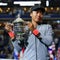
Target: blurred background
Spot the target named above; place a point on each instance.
(9, 10)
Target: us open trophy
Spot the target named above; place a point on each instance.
(20, 32)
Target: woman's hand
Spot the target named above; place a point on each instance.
(30, 26)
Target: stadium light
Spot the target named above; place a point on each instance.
(47, 3)
(3, 4)
(26, 3)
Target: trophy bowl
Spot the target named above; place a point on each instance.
(20, 32)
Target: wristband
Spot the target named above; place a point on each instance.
(11, 34)
(36, 32)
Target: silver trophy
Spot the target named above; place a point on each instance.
(20, 32)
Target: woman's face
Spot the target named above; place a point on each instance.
(36, 16)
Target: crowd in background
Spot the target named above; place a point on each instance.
(12, 50)
(54, 49)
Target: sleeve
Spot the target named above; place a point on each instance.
(48, 37)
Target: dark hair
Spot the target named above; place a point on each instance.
(37, 7)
